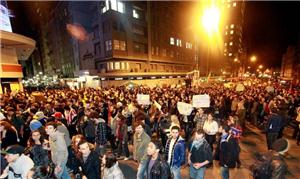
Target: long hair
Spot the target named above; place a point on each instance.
(31, 141)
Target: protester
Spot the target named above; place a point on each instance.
(59, 151)
(37, 145)
(210, 128)
(271, 164)
(9, 135)
(140, 143)
(111, 167)
(157, 167)
(18, 163)
(228, 151)
(175, 152)
(200, 154)
(273, 127)
(90, 162)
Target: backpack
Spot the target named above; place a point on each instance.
(262, 167)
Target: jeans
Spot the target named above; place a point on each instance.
(224, 172)
(176, 172)
(197, 173)
(64, 172)
(141, 170)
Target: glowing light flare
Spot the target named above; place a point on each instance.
(211, 20)
(77, 31)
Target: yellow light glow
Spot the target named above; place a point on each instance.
(260, 66)
(211, 19)
(253, 58)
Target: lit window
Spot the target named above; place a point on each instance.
(117, 65)
(108, 45)
(123, 65)
(117, 6)
(116, 45)
(234, 4)
(231, 32)
(113, 4)
(135, 14)
(111, 65)
(230, 54)
(226, 33)
(122, 45)
(178, 42)
(121, 7)
(231, 43)
(232, 26)
(188, 45)
(172, 41)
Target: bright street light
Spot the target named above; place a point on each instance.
(211, 20)
(235, 60)
(260, 66)
(253, 59)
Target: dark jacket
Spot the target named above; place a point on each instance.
(275, 123)
(10, 138)
(159, 170)
(201, 154)
(39, 155)
(91, 167)
(228, 152)
(101, 133)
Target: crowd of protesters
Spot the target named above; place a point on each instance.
(82, 133)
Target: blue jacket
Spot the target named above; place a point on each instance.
(275, 123)
(178, 154)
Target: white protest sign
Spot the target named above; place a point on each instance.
(202, 101)
(143, 99)
(270, 89)
(184, 108)
(158, 106)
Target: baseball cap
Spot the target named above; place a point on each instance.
(39, 115)
(57, 115)
(13, 149)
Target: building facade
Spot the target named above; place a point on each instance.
(134, 38)
(233, 34)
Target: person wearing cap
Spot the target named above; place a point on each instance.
(59, 151)
(40, 116)
(18, 163)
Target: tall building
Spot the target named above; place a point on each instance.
(233, 34)
(141, 38)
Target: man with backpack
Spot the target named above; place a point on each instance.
(271, 165)
(228, 150)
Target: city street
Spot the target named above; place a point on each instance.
(254, 141)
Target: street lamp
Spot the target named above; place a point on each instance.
(260, 66)
(253, 59)
(211, 20)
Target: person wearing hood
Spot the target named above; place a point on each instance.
(175, 151)
(59, 150)
(111, 167)
(40, 117)
(200, 154)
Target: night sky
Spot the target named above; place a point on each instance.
(269, 27)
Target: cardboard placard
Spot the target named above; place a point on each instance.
(143, 99)
(201, 101)
(184, 108)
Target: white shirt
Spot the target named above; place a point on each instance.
(170, 150)
(210, 128)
